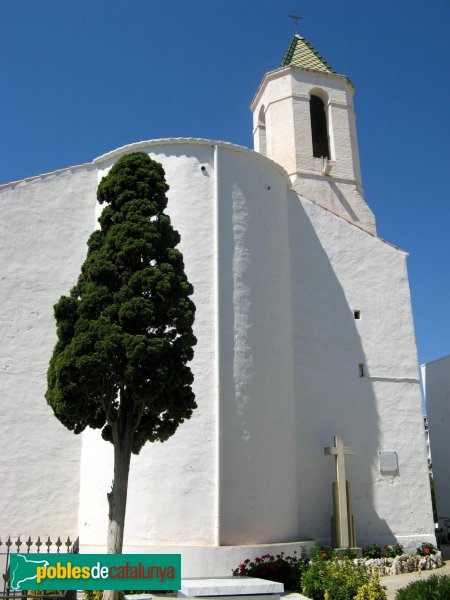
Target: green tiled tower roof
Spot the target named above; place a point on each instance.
(301, 54)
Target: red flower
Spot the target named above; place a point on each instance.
(426, 550)
(323, 555)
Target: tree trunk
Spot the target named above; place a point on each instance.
(117, 498)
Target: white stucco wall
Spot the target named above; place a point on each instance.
(172, 485)
(257, 401)
(44, 227)
(276, 280)
(336, 269)
(231, 503)
(436, 376)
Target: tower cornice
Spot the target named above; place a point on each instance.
(271, 75)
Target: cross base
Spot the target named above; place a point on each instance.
(342, 537)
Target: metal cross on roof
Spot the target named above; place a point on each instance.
(296, 18)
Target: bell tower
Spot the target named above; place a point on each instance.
(303, 119)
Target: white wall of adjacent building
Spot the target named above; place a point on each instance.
(436, 381)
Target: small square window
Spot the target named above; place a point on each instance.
(357, 314)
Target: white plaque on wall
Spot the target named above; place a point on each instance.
(388, 462)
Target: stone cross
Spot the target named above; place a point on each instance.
(344, 527)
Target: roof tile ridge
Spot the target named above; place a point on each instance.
(318, 55)
(290, 51)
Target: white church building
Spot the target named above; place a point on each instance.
(304, 330)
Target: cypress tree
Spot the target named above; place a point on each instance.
(124, 332)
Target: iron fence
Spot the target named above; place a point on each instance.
(9, 547)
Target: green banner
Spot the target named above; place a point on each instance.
(95, 571)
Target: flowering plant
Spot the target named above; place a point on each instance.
(323, 552)
(285, 569)
(426, 549)
(393, 551)
(373, 551)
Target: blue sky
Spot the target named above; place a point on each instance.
(82, 77)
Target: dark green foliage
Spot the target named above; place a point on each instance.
(393, 551)
(322, 552)
(334, 579)
(436, 587)
(373, 551)
(313, 580)
(284, 569)
(321, 576)
(92, 594)
(125, 331)
(426, 549)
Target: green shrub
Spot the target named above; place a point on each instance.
(343, 579)
(322, 552)
(284, 569)
(93, 594)
(372, 590)
(426, 549)
(312, 576)
(393, 551)
(340, 580)
(313, 579)
(373, 551)
(333, 579)
(436, 587)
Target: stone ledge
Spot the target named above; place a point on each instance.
(229, 586)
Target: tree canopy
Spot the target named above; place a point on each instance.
(125, 330)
